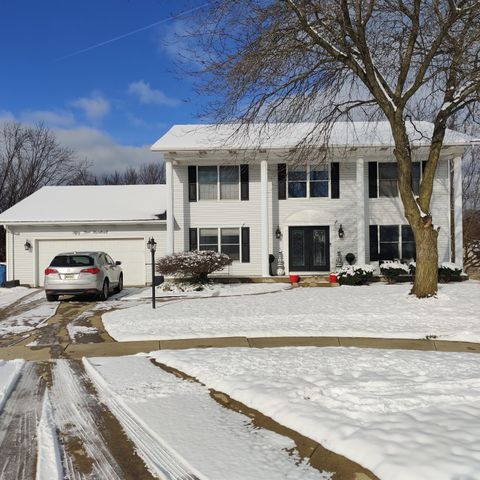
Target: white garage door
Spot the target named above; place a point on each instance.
(130, 251)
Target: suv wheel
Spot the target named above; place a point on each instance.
(119, 287)
(104, 293)
(51, 298)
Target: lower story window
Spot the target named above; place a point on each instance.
(230, 241)
(208, 239)
(390, 242)
(225, 240)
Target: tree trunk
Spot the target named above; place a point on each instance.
(426, 271)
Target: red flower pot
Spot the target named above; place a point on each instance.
(294, 278)
(333, 278)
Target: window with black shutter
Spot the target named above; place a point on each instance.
(373, 243)
(372, 180)
(408, 243)
(245, 245)
(192, 183)
(335, 179)
(389, 242)
(193, 239)
(244, 182)
(282, 181)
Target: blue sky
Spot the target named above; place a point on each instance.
(107, 103)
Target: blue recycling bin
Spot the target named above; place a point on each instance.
(3, 274)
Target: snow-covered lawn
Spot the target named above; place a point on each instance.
(178, 289)
(377, 310)
(403, 415)
(175, 422)
(11, 295)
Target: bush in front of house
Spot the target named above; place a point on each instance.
(393, 270)
(355, 275)
(196, 265)
(449, 272)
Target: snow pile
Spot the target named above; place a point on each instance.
(184, 289)
(391, 265)
(452, 267)
(28, 319)
(9, 372)
(11, 295)
(402, 414)
(175, 423)
(49, 462)
(375, 311)
(79, 330)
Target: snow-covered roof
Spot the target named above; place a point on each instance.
(287, 136)
(90, 204)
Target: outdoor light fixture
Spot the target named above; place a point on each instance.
(341, 233)
(152, 246)
(28, 246)
(278, 233)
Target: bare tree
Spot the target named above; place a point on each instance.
(322, 60)
(30, 158)
(152, 173)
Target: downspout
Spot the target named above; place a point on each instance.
(12, 266)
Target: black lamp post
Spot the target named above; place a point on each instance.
(152, 246)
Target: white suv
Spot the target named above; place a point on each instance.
(82, 273)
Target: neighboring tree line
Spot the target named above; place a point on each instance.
(31, 157)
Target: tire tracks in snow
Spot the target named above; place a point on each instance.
(94, 444)
(18, 426)
(161, 460)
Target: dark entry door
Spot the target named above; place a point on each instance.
(309, 249)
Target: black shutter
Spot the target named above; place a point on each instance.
(245, 245)
(192, 184)
(372, 180)
(373, 243)
(193, 239)
(244, 182)
(335, 179)
(282, 181)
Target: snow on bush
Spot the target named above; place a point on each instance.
(392, 270)
(196, 265)
(448, 271)
(184, 287)
(355, 274)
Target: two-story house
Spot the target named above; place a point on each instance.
(247, 195)
(251, 197)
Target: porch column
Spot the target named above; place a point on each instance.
(264, 216)
(170, 212)
(458, 214)
(362, 221)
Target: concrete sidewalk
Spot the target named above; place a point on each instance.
(114, 349)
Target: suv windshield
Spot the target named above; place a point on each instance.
(72, 261)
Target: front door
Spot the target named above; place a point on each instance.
(309, 249)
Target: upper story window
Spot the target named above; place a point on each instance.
(218, 182)
(387, 180)
(383, 178)
(308, 181)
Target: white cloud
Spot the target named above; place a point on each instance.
(94, 107)
(150, 96)
(6, 116)
(49, 117)
(103, 151)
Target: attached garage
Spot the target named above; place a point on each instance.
(66, 219)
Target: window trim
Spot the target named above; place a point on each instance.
(378, 180)
(308, 180)
(219, 239)
(218, 199)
